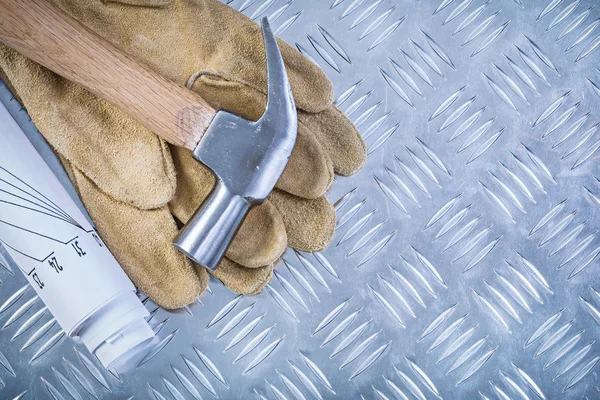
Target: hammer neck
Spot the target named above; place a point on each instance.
(207, 235)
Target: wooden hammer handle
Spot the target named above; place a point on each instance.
(55, 40)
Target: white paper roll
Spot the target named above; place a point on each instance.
(61, 254)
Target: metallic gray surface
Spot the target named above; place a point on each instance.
(247, 157)
(392, 309)
(208, 233)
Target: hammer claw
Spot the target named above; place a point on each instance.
(281, 109)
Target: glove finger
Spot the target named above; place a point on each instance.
(241, 58)
(138, 239)
(309, 171)
(262, 238)
(246, 281)
(339, 137)
(309, 223)
(121, 157)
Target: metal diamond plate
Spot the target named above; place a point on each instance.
(465, 261)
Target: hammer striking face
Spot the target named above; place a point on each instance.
(247, 157)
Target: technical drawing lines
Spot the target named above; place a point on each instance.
(15, 192)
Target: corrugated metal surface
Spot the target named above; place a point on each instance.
(465, 260)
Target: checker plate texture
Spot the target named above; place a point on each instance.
(465, 262)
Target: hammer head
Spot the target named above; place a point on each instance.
(247, 158)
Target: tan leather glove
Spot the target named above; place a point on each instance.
(138, 189)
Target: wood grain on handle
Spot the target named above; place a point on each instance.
(55, 40)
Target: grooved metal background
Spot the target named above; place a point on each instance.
(465, 262)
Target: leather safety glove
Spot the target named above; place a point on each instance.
(139, 190)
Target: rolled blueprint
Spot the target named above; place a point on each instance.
(61, 254)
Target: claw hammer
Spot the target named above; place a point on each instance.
(247, 157)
